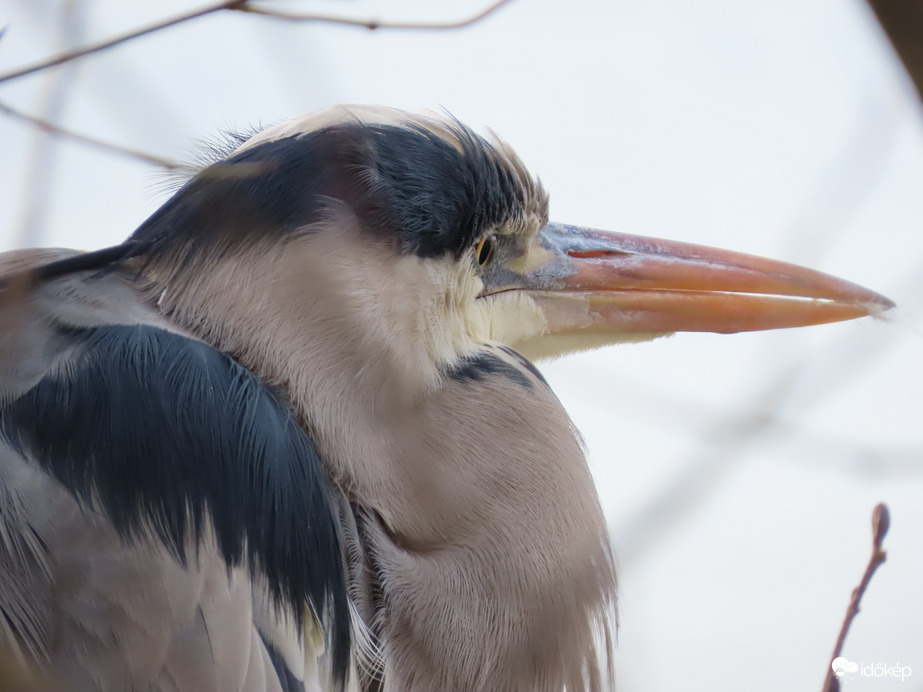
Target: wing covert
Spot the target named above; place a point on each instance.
(171, 439)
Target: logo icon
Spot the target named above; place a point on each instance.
(842, 665)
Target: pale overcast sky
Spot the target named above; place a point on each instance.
(738, 472)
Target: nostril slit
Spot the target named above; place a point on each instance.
(592, 254)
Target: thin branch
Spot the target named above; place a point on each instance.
(67, 56)
(242, 6)
(373, 24)
(881, 520)
(108, 147)
(39, 181)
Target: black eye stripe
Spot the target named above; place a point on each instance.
(434, 194)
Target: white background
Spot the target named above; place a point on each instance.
(738, 472)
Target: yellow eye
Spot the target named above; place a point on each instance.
(484, 250)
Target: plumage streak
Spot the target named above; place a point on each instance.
(216, 450)
(484, 365)
(288, 682)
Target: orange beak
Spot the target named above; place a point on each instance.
(595, 282)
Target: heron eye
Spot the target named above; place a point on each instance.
(485, 249)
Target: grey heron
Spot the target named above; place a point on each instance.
(289, 428)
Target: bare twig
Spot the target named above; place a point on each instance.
(242, 6)
(57, 131)
(67, 56)
(39, 181)
(373, 24)
(881, 520)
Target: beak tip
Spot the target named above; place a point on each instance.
(879, 306)
(875, 304)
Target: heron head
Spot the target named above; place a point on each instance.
(441, 235)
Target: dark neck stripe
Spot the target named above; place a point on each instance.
(484, 365)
